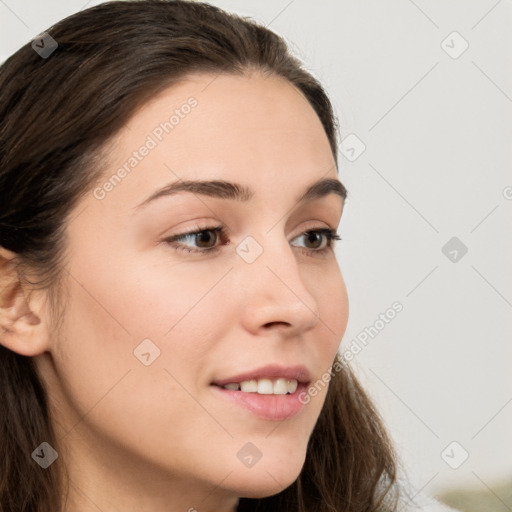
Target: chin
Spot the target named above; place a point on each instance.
(264, 480)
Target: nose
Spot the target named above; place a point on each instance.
(274, 291)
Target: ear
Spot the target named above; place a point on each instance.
(23, 324)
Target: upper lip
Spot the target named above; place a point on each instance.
(272, 371)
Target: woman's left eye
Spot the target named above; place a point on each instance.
(207, 237)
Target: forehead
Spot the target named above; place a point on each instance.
(253, 128)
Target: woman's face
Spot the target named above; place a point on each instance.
(154, 326)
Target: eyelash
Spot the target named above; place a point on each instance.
(173, 241)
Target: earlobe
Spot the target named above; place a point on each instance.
(22, 328)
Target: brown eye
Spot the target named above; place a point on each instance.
(315, 238)
(201, 240)
(206, 237)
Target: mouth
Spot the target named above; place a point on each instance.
(264, 386)
(271, 393)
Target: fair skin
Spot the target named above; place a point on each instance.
(159, 437)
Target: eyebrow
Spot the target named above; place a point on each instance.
(235, 191)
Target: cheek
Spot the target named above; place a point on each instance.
(328, 287)
(151, 320)
(339, 307)
(141, 298)
(107, 389)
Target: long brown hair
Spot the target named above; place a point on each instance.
(57, 113)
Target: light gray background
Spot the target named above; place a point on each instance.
(438, 134)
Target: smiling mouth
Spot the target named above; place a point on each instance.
(264, 386)
(276, 399)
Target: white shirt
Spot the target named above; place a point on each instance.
(411, 500)
(424, 503)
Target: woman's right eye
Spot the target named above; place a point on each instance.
(212, 234)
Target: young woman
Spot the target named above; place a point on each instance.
(171, 305)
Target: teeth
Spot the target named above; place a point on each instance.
(265, 387)
(292, 385)
(249, 386)
(279, 386)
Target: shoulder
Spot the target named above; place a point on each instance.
(424, 503)
(405, 497)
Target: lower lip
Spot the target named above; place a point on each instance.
(268, 407)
